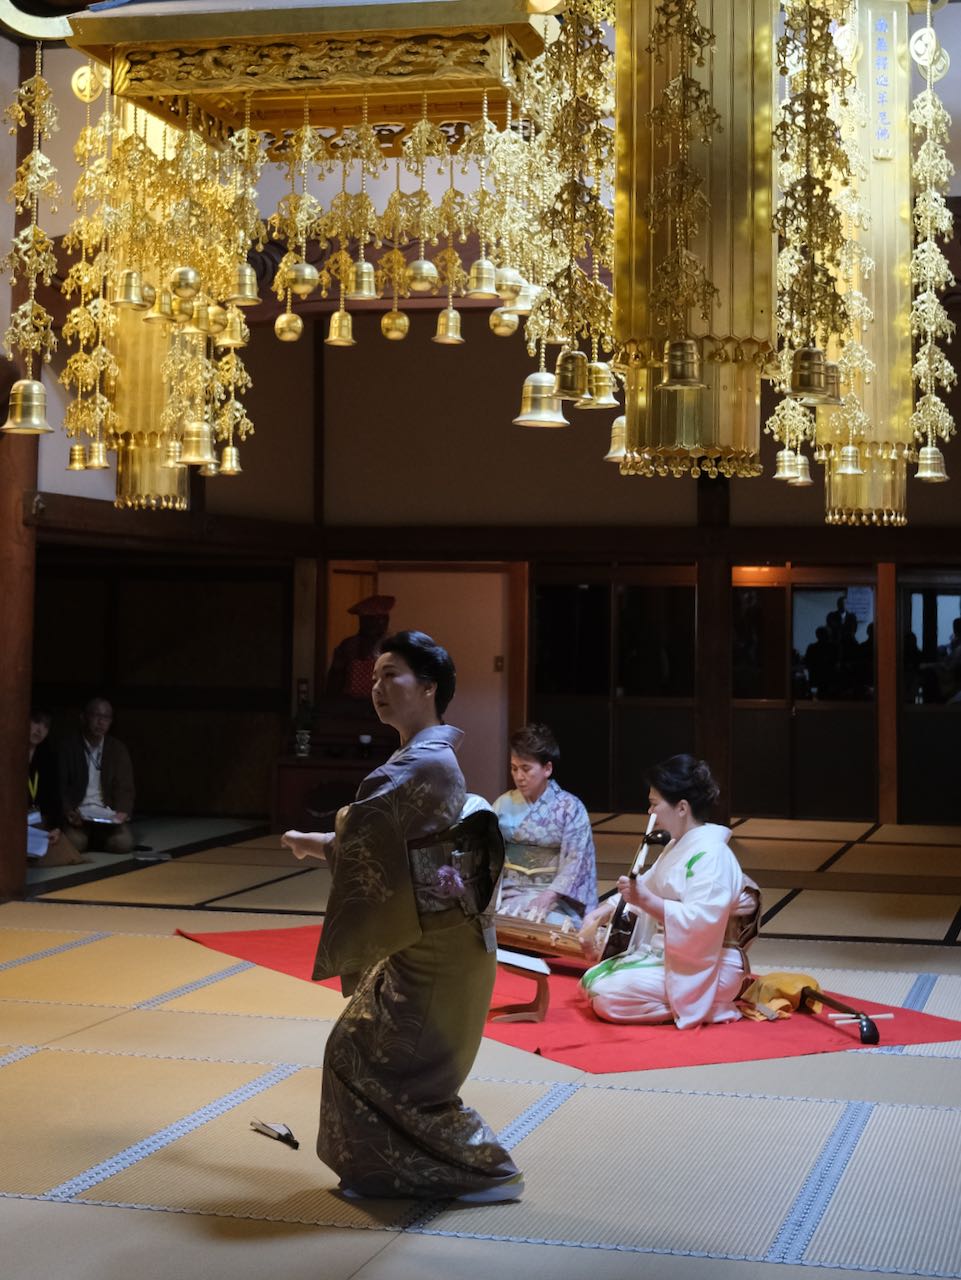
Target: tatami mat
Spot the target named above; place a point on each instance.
(42, 1240)
(783, 855)
(895, 1207)
(867, 915)
(618, 849)
(621, 822)
(174, 883)
(229, 1037)
(303, 891)
(117, 970)
(16, 944)
(901, 860)
(236, 855)
(944, 998)
(225, 1168)
(905, 833)
(653, 1171)
(269, 841)
(24, 1023)
(44, 914)
(598, 817)
(784, 829)
(57, 1093)
(262, 991)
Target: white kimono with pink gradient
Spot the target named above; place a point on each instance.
(682, 963)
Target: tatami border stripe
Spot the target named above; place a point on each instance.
(164, 1137)
(241, 967)
(921, 989)
(16, 1055)
(536, 1113)
(801, 1222)
(519, 1128)
(54, 951)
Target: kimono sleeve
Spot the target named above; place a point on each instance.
(694, 926)
(372, 911)
(576, 877)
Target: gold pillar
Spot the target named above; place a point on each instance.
(878, 496)
(142, 482)
(716, 426)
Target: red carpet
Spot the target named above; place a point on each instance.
(571, 1034)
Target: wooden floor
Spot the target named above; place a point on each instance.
(132, 1061)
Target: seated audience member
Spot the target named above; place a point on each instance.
(96, 783)
(550, 872)
(683, 963)
(46, 843)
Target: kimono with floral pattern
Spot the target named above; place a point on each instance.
(553, 837)
(405, 929)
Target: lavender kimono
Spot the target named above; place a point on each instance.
(408, 929)
(549, 846)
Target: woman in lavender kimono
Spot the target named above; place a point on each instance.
(408, 929)
(684, 963)
(550, 872)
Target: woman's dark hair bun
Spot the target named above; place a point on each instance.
(686, 778)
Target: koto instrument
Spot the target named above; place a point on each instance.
(562, 940)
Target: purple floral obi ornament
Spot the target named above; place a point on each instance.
(450, 884)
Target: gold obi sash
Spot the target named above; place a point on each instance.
(530, 866)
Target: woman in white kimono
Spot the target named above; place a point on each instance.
(680, 966)
(409, 929)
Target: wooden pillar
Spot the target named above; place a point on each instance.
(18, 474)
(886, 690)
(713, 648)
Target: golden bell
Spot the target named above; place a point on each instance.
(198, 450)
(850, 464)
(341, 330)
(448, 327)
(508, 282)
(28, 409)
(78, 458)
(97, 456)
(803, 477)
(683, 364)
(198, 323)
(148, 293)
(570, 375)
(525, 299)
(181, 309)
(786, 467)
(931, 465)
(394, 325)
(301, 278)
(130, 291)
(185, 282)
(422, 276)
(618, 450)
(600, 387)
(161, 309)
(216, 318)
(539, 406)
(288, 326)
(503, 323)
(209, 469)
(235, 333)
(832, 383)
(482, 279)
(230, 461)
(807, 372)
(173, 455)
(363, 282)
(244, 291)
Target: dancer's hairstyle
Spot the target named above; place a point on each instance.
(429, 661)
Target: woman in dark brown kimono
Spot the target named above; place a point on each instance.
(408, 929)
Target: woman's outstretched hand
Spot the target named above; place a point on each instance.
(308, 844)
